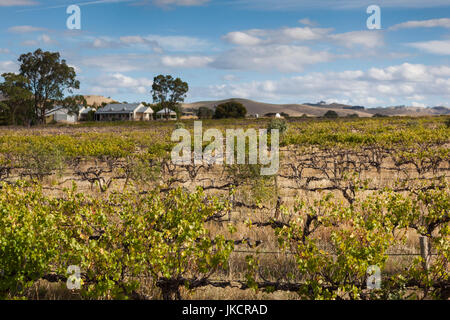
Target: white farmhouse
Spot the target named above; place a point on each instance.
(166, 113)
(84, 113)
(124, 112)
(61, 114)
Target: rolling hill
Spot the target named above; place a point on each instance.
(317, 110)
(93, 100)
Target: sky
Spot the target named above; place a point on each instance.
(275, 51)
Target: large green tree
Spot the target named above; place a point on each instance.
(230, 109)
(73, 103)
(331, 114)
(17, 108)
(49, 77)
(168, 92)
(205, 113)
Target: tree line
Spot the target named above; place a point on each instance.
(46, 81)
(231, 109)
(42, 82)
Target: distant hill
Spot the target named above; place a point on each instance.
(93, 100)
(441, 110)
(319, 109)
(410, 111)
(260, 108)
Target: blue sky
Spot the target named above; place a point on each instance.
(279, 51)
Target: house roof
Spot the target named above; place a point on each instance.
(144, 109)
(62, 110)
(165, 111)
(86, 110)
(57, 109)
(119, 108)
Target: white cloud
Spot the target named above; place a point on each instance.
(350, 74)
(8, 66)
(284, 49)
(341, 101)
(186, 61)
(24, 29)
(119, 62)
(4, 50)
(230, 77)
(440, 47)
(418, 104)
(254, 37)
(284, 58)
(10, 3)
(30, 43)
(404, 72)
(416, 97)
(102, 42)
(133, 40)
(97, 90)
(42, 39)
(125, 41)
(442, 71)
(242, 38)
(307, 22)
(122, 81)
(371, 101)
(179, 43)
(400, 83)
(431, 23)
(119, 83)
(46, 39)
(156, 42)
(300, 35)
(273, 49)
(76, 68)
(368, 39)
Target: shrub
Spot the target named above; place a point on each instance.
(205, 113)
(230, 109)
(331, 114)
(179, 125)
(279, 124)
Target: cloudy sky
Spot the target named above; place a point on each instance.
(280, 51)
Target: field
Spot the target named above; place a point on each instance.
(351, 195)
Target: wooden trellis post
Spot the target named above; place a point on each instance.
(425, 252)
